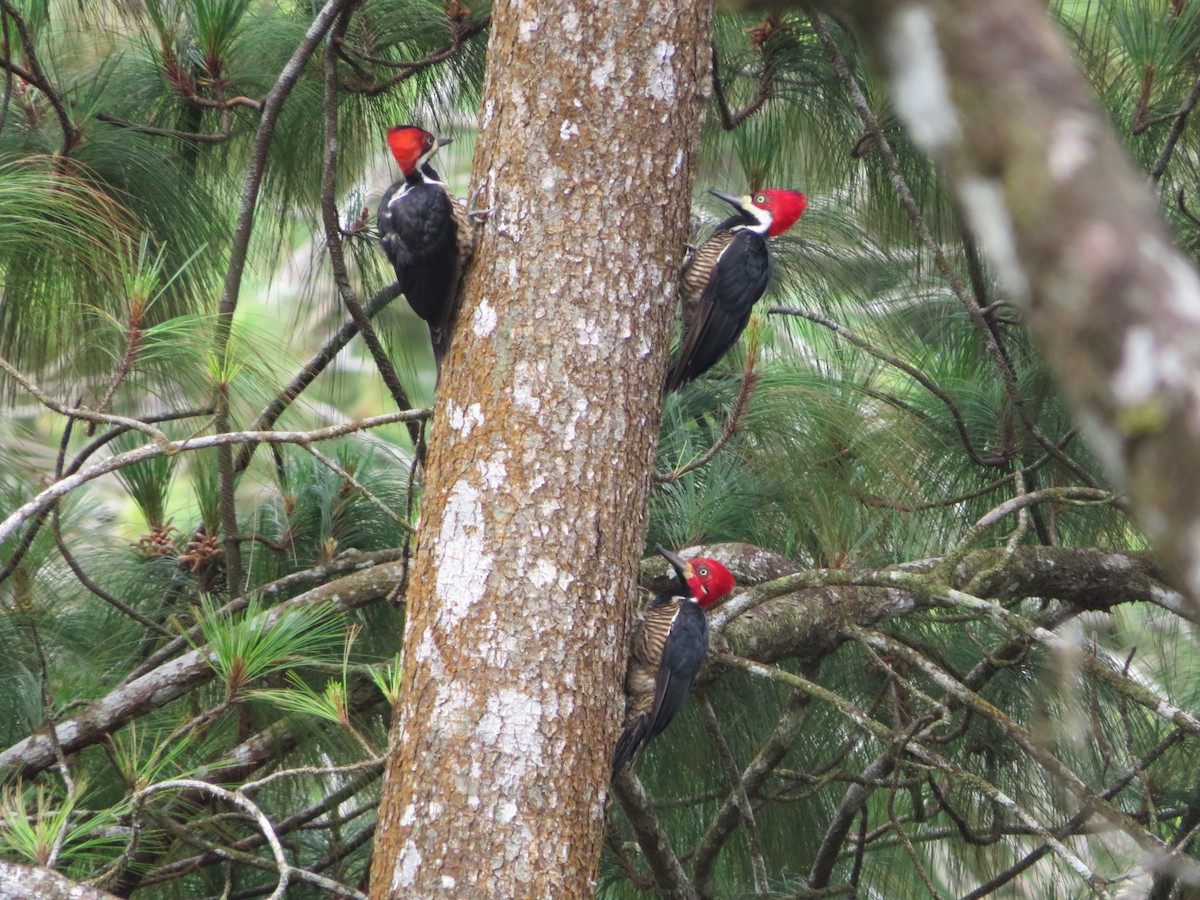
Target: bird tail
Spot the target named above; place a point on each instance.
(441, 346)
(631, 740)
(676, 377)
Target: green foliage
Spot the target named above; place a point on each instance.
(43, 829)
(251, 646)
(876, 434)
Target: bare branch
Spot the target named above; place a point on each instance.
(333, 231)
(656, 846)
(168, 448)
(74, 412)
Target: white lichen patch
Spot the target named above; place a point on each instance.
(602, 73)
(1183, 293)
(1139, 374)
(463, 420)
(493, 470)
(428, 654)
(522, 395)
(1072, 143)
(677, 166)
(462, 565)
(568, 130)
(484, 321)
(510, 725)
(570, 24)
(588, 333)
(407, 863)
(661, 74)
(983, 201)
(506, 812)
(528, 29)
(919, 84)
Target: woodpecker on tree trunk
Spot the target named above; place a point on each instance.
(726, 276)
(668, 649)
(426, 233)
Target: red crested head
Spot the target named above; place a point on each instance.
(412, 146)
(708, 581)
(785, 208)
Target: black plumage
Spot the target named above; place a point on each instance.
(668, 650)
(726, 276)
(722, 281)
(426, 234)
(666, 655)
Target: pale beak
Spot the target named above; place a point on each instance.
(684, 569)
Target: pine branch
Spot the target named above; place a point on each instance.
(181, 676)
(169, 448)
(313, 368)
(271, 107)
(333, 231)
(672, 881)
(37, 77)
(909, 203)
(1181, 117)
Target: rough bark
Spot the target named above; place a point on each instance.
(989, 88)
(545, 424)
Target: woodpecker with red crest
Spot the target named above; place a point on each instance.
(668, 650)
(426, 233)
(726, 276)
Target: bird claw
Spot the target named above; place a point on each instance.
(473, 212)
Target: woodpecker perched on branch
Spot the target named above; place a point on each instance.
(726, 276)
(668, 650)
(426, 234)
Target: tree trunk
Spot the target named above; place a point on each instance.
(533, 517)
(989, 88)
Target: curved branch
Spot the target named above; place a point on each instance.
(168, 448)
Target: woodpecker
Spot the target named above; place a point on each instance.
(726, 276)
(426, 233)
(668, 650)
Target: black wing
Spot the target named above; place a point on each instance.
(716, 319)
(417, 231)
(683, 654)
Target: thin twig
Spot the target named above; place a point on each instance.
(960, 425)
(333, 230)
(77, 412)
(95, 589)
(169, 448)
(191, 137)
(1164, 155)
(334, 467)
(460, 34)
(239, 251)
(313, 368)
(737, 788)
(729, 119)
(652, 837)
(732, 424)
(36, 77)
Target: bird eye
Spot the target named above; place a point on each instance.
(702, 571)
(760, 198)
